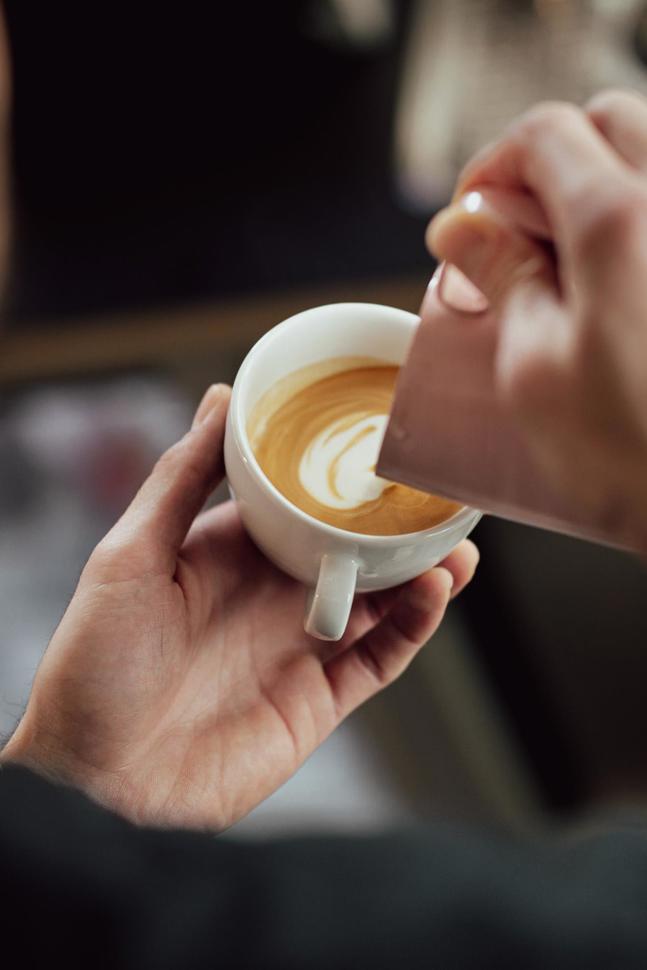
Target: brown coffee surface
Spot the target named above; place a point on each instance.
(325, 403)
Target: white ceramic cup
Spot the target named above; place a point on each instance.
(333, 563)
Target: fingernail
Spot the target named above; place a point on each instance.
(458, 293)
(211, 398)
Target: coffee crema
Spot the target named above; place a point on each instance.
(317, 434)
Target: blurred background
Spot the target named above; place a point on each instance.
(184, 180)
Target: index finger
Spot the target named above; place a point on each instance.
(557, 155)
(148, 536)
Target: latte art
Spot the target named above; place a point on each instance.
(338, 466)
(317, 438)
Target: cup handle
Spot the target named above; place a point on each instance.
(329, 604)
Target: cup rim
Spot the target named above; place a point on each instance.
(239, 429)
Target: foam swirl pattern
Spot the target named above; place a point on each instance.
(319, 447)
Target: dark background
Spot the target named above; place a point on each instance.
(177, 153)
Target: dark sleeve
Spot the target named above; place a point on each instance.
(83, 884)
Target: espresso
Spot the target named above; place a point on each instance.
(316, 435)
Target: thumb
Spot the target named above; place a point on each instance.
(516, 273)
(149, 534)
(497, 258)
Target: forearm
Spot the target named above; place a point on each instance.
(440, 898)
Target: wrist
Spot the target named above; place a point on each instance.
(23, 748)
(32, 749)
(41, 752)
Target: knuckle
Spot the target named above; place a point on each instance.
(116, 558)
(105, 555)
(547, 116)
(171, 459)
(373, 663)
(606, 105)
(615, 227)
(181, 463)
